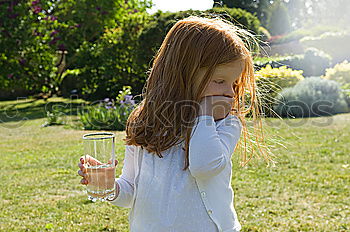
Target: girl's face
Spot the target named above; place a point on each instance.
(223, 79)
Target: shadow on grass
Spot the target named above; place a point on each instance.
(32, 109)
(87, 202)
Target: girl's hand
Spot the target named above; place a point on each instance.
(98, 178)
(217, 106)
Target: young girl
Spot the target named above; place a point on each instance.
(180, 139)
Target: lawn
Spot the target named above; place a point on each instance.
(308, 190)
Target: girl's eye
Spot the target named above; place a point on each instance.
(219, 82)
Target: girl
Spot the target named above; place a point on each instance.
(180, 139)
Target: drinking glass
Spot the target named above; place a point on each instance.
(100, 174)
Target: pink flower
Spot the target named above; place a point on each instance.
(37, 9)
(127, 100)
(54, 40)
(54, 33)
(22, 61)
(35, 2)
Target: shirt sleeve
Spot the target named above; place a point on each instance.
(212, 144)
(126, 179)
(229, 130)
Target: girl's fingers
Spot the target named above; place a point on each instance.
(84, 181)
(80, 173)
(82, 168)
(115, 162)
(91, 160)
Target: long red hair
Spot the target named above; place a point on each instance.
(166, 114)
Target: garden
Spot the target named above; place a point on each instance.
(68, 68)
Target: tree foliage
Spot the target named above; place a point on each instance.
(41, 40)
(260, 7)
(278, 21)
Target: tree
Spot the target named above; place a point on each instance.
(259, 7)
(37, 36)
(303, 12)
(279, 22)
(313, 12)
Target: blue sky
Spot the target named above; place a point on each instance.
(177, 5)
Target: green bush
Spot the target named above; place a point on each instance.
(310, 97)
(108, 114)
(346, 90)
(304, 32)
(237, 16)
(283, 77)
(53, 118)
(277, 61)
(278, 22)
(29, 46)
(108, 62)
(264, 33)
(270, 81)
(111, 61)
(341, 74)
(313, 63)
(336, 44)
(41, 40)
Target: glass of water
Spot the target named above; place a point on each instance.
(100, 165)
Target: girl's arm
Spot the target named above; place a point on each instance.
(126, 180)
(212, 144)
(229, 130)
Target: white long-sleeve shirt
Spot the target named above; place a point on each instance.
(167, 199)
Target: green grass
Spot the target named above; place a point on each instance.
(308, 190)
